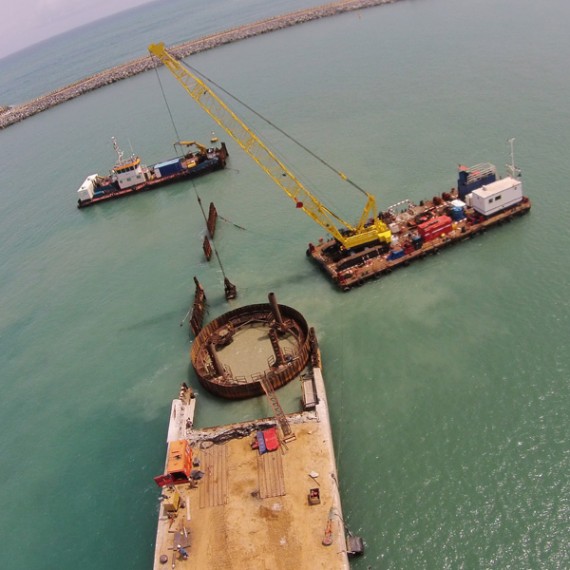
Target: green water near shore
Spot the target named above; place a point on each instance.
(447, 381)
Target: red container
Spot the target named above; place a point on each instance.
(271, 439)
(435, 228)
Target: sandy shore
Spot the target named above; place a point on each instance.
(11, 115)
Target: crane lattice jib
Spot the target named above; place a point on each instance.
(268, 162)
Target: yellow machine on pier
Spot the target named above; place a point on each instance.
(369, 229)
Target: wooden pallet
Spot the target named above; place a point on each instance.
(270, 472)
(214, 484)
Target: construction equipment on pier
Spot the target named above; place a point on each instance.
(369, 229)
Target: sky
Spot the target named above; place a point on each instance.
(27, 22)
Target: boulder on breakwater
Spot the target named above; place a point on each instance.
(17, 113)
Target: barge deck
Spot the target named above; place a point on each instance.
(348, 269)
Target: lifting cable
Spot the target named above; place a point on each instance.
(167, 105)
(227, 284)
(292, 139)
(211, 240)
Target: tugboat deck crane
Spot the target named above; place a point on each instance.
(203, 149)
(369, 229)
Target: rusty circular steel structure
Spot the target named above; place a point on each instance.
(233, 354)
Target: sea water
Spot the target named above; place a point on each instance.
(448, 381)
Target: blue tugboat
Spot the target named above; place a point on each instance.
(129, 176)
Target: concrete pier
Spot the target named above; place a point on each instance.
(279, 509)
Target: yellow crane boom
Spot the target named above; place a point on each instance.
(369, 229)
(199, 146)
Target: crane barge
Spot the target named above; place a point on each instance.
(378, 242)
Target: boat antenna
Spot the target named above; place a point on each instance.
(117, 149)
(513, 169)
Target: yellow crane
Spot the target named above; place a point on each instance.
(369, 229)
(199, 146)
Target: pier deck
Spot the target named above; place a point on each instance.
(251, 510)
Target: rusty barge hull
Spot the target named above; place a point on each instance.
(352, 269)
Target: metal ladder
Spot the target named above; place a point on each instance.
(280, 416)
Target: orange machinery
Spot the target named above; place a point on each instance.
(178, 464)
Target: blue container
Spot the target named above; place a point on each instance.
(465, 186)
(261, 442)
(169, 167)
(457, 213)
(395, 254)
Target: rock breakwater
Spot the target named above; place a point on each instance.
(11, 115)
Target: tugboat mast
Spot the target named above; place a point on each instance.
(117, 149)
(514, 170)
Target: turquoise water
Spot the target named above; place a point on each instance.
(448, 381)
